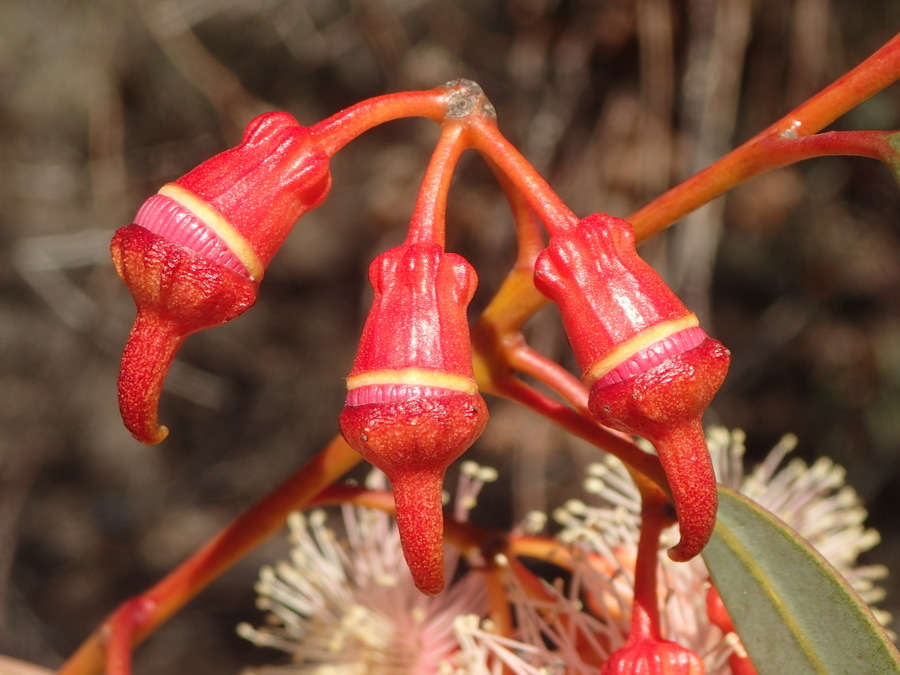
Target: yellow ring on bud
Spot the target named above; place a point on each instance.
(233, 239)
(414, 376)
(642, 340)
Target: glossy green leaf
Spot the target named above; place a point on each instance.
(794, 613)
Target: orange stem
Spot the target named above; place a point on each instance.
(541, 198)
(428, 221)
(758, 154)
(135, 619)
(615, 443)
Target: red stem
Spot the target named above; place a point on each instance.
(756, 155)
(529, 361)
(438, 104)
(645, 611)
(615, 443)
(873, 144)
(135, 619)
(336, 131)
(541, 198)
(428, 222)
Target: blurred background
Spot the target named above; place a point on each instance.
(614, 101)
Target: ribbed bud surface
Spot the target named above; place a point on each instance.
(412, 404)
(651, 369)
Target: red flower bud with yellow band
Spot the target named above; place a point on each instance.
(412, 403)
(651, 369)
(198, 249)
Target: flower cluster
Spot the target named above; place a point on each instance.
(197, 250)
(194, 258)
(349, 605)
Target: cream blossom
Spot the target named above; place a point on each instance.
(347, 604)
(814, 500)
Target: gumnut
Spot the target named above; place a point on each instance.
(197, 250)
(651, 369)
(412, 404)
(649, 656)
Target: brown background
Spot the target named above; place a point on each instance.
(103, 101)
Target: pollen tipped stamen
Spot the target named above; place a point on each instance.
(164, 216)
(654, 355)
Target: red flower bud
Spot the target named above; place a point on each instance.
(412, 403)
(653, 657)
(716, 611)
(738, 660)
(198, 249)
(651, 369)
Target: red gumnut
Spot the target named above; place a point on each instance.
(177, 292)
(651, 369)
(198, 249)
(412, 403)
(650, 656)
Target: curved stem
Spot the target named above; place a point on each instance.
(615, 443)
(758, 155)
(529, 361)
(427, 224)
(536, 191)
(126, 626)
(517, 299)
(872, 144)
(336, 131)
(439, 104)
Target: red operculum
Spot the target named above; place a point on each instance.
(264, 184)
(177, 292)
(665, 405)
(413, 440)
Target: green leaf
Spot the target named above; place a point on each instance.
(793, 611)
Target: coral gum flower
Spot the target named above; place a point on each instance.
(412, 404)
(651, 369)
(197, 250)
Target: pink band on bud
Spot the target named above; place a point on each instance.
(167, 218)
(654, 355)
(389, 393)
